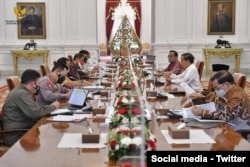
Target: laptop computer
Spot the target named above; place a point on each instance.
(77, 98)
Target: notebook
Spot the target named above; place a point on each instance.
(78, 97)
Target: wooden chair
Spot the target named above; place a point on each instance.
(54, 63)
(200, 66)
(103, 49)
(44, 69)
(4, 148)
(145, 48)
(70, 58)
(12, 82)
(240, 79)
(210, 86)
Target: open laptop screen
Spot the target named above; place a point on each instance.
(78, 97)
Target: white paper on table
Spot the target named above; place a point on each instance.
(209, 106)
(68, 118)
(187, 113)
(195, 136)
(60, 111)
(74, 140)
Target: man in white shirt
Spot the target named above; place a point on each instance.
(190, 75)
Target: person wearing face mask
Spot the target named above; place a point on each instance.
(190, 75)
(51, 90)
(90, 66)
(76, 72)
(68, 83)
(232, 104)
(174, 66)
(20, 110)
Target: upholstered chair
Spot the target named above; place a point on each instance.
(200, 66)
(12, 82)
(240, 79)
(44, 69)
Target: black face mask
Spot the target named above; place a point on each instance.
(37, 89)
(85, 59)
(60, 79)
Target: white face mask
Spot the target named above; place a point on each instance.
(220, 93)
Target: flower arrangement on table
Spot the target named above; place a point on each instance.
(123, 64)
(125, 100)
(129, 128)
(125, 118)
(126, 142)
(125, 71)
(125, 85)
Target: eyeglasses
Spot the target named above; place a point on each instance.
(218, 87)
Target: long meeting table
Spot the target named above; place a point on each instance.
(38, 147)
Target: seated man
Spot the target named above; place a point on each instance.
(175, 65)
(87, 64)
(190, 75)
(76, 72)
(67, 82)
(50, 90)
(20, 110)
(232, 104)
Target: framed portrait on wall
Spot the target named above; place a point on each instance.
(32, 20)
(221, 17)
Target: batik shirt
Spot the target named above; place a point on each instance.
(234, 107)
(175, 67)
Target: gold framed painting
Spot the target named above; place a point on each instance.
(221, 17)
(32, 20)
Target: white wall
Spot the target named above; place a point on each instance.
(80, 24)
(182, 25)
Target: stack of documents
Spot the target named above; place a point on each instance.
(187, 112)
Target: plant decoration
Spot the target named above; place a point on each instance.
(128, 142)
(129, 127)
(125, 81)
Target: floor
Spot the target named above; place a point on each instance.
(2, 81)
